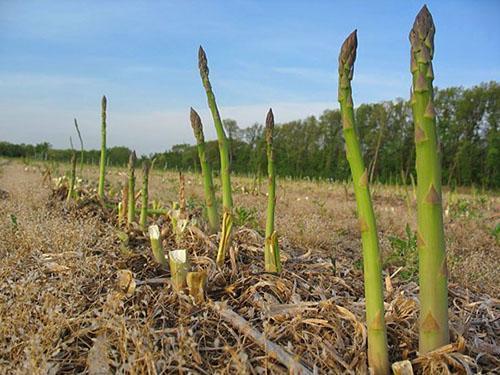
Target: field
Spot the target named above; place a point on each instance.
(64, 310)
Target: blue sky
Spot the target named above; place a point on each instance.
(57, 58)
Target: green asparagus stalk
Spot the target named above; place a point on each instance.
(102, 167)
(144, 194)
(206, 171)
(271, 250)
(81, 145)
(377, 336)
(227, 199)
(71, 188)
(431, 246)
(131, 188)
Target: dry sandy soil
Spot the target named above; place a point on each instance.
(63, 310)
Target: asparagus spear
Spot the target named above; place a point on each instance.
(102, 167)
(227, 200)
(377, 336)
(431, 246)
(271, 251)
(71, 188)
(206, 171)
(81, 145)
(144, 194)
(131, 188)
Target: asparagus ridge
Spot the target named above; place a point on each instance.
(434, 331)
(102, 165)
(271, 250)
(377, 336)
(206, 171)
(227, 200)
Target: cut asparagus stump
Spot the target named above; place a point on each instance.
(271, 250)
(227, 200)
(377, 337)
(431, 246)
(102, 166)
(196, 282)
(206, 171)
(179, 267)
(158, 253)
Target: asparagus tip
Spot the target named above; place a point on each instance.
(423, 27)
(269, 126)
(347, 57)
(132, 158)
(202, 61)
(270, 119)
(104, 102)
(196, 123)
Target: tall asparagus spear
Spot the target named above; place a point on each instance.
(206, 171)
(144, 194)
(81, 145)
(131, 188)
(431, 247)
(271, 251)
(71, 188)
(377, 336)
(102, 167)
(227, 199)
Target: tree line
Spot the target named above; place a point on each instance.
(467, 121)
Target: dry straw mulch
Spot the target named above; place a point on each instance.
(67, 306)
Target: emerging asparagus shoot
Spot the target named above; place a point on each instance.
(144, 193)
(377, 336)
(102, 166)
(227, 200)
(131, 188)
(271, 249)
(206, 171)
(431, 246)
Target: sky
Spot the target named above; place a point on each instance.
(57, 59)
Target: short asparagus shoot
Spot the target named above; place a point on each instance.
(206, 171)
(131, 188)
(144, 194)
(271, 250)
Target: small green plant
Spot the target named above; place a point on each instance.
(496, 232)
(404, 254)
(13, 221)
(246, 217)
